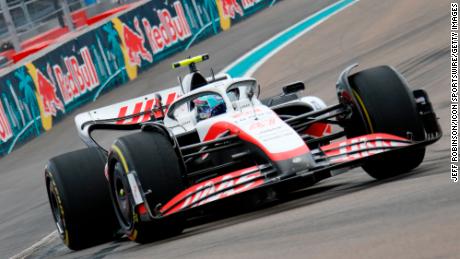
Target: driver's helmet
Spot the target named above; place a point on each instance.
(208, 106)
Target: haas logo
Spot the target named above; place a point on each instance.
(134, 43)
(214, 189)
(47, 92)
(142, 106)
(230, 7)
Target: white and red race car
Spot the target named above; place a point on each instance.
(211, 140)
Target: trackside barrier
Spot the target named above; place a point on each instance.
(40, 93)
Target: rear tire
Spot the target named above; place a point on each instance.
(388, 107)
(79, 198)
(157, 166)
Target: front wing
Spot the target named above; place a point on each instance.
(341, 155)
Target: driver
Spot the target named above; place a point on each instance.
(209, 106)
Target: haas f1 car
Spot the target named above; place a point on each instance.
(210, 140)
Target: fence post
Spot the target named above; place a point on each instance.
(25, 9)
(10, 25)
(66, 13)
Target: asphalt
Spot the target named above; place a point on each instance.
(348, 216)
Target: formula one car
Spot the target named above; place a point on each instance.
(210, 140)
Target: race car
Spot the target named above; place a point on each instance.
(209, 140)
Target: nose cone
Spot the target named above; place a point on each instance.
(295, 164)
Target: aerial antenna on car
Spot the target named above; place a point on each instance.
(213, 75)
(180, 83)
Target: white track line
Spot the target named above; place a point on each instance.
(35, 247)
(256, 66)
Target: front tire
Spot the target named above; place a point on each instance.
(79, 198)
(151, 156)
(387, 106)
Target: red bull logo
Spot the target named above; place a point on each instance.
(170, 30)
(79, 78)
(134, 42)
(5, 128)
(47, 92)
(231, 7)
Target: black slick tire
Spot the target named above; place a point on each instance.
(387, 106)
(79, 198)
(151, 156)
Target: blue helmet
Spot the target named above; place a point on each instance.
(209, 105)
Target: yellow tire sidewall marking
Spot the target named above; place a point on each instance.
(61, 208)
(122, 158)
(363, 108)
(135, 217)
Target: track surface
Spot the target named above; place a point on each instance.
(349, 216)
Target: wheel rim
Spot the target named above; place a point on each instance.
(120, 191)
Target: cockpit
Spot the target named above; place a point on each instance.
(211, 101)
(199, 107)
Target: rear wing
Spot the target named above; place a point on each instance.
(126, 114)
(129, 115)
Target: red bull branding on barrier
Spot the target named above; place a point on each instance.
(135, 44)
(79, 78)
(231, 7)
(50, 85)
(170, 30)
(5, 128)
(48, 97)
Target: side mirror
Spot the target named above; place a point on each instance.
(157, 111)
(293, 88)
